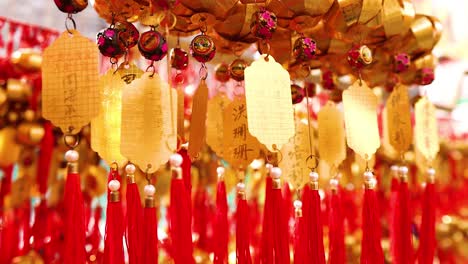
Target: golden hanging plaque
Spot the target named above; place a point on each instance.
(198, 120)
(360, 112)
(69, 80)
(426, 132)
(215, 124)
(269, 103)
(398, 111)
(148, 132)
(106, 126)
(129, 72)
(240, 147)
(331, 135)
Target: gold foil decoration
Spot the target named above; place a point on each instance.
(331, 135)
(423, 30)
(9, 148)
(392, 18)
(294, 157)
(370, 8)
(240, 147)
(69, 81)
(350, 9)
(386, 147)
(269, 103)
(215, 123)
(307, 7)
(148, 135)
(129, 72)
(198, 120)
(360, 112)
(426, 134)
(106, 126)
(398, 110)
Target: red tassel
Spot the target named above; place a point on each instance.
(201, 217)
(403, 242)
(427, 241)
(5, 186)
(8, 238)
(221, 228)
(134, 218)
(280, 225)
(242, 227)
(113, 239)
(300, 235)
(337, 253)
(45, 157)
(394, 225)
(39, 228)
(150, 225)
(95, 237)
(75, 231)
(314, 222)
(180, 220)
(267, 232)
(371, 248)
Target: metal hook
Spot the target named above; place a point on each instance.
(151, 69)
(75, 138)
(316, 159)
(203, 72)
(70, 19)
(147, 174)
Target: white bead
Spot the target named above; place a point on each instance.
(368, 175)
(431, 171)
(297, 204)
(176, 160)
(220, 170)
(149, 190)
(114, 185)
(71, 156)
(334, 183)
(403, 170)
(394, 168)
(373, 181)
(275, 172)
(268, 166)
(241, 186)
(313, 176)
(130, 169)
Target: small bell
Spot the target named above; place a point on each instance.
(304, 49)
(152, 45)
(203, 48)
(297, 93)
(109, 43)
(71, 6)
(236, 69)
(263, 24)
(359, 56)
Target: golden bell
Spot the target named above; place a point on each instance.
(18, 90)
(28, 60)
(30, 133)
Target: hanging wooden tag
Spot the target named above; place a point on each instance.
(148, 134)
(360, 112)
(198, 120)
(399, 119)
(425, 130)
(69, 81)
(269, 103)
(331, 135)
(385, 145)
(240, 147)
(106, 126)
(294, 163)
(129, 72)
(215, 124)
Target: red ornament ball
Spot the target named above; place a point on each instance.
(304, 49)
(128, 33)
(152, 45)
(297, 93)
(425, 76)
(328, 80)
(179, 59)
(263, 24)
(237, 68)
(109, 43)
(310, 89)
(359, 56)
(401, 62)
(71, 6)
(203, 48)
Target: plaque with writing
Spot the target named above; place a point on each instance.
(69, 82)
(215, 123)
(106, 126)
(426, 137)
(360, 113)
(129, 72)
(148, 134)
(398, 110)
(198, 120)
(240, 147)
(331, 135)
(269, 103)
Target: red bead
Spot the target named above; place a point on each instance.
(109, 43)
(128, 33)
(328, 80)
(222, 73)
(401, 62)
(152, 45)
(71, 6)
(203, 48)
(304, 49)
(297, 93)
(236, 69)
(359, 56)
(263, 24)
(179, 59)
(425, 76)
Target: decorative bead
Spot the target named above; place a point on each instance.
(149, 190)
(359, 56)
(297, 204)
(114, 185)
(128, 33)
(275, 172)
(130, 169)
(313, 176)
(202, 48)
(71, 6)
(403, 170)
(431, 172)
(268, 167)
(263, 24)
(297, 93)
(109, 43)
(220, 170)
(236, 69)
(176, 160)
(179, 59)
(394, 168)
(310, 89)
(334, 183)
(241, 187)
(152, 45)
(304, 49)
(71, 156)
(401, 62)
(328, 80)
(368, 175)
(222, 73)
(425, 76)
